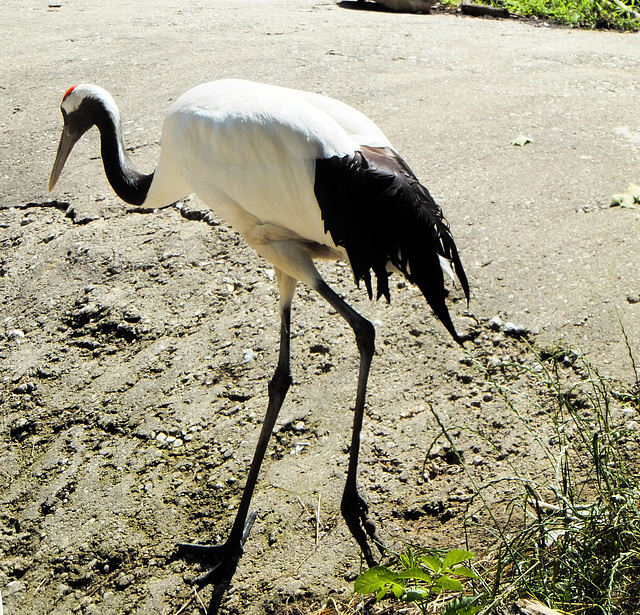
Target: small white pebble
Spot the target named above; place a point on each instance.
(248, 355)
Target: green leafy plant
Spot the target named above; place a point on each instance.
(568, 535)
(423, 577)
(612, 14)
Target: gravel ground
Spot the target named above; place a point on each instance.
(135, 347)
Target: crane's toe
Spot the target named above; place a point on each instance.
(356, 515)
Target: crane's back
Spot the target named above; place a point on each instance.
(249, 151)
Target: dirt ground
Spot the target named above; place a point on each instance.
(135, 347)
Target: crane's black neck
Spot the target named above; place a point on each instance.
(129, 184)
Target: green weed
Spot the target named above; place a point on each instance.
(422, 578)
(569, 537)
(613, 14)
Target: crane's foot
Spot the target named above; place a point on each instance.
(356, 515)
(222, 560)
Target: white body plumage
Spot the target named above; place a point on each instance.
(286, 168)
(250, 150)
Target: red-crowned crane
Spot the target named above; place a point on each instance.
(300, 176)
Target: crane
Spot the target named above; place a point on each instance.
(301, 176)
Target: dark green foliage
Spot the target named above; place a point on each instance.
(611, 14)
(579, 550)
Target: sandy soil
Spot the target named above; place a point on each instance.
(135, 348)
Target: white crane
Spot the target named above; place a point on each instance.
(301, 176)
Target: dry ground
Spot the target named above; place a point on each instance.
(135, 347)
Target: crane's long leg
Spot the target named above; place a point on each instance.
(354, 509)
(224, 558)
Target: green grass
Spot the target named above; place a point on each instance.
(610, 14)
(574, 540)
(570, 535)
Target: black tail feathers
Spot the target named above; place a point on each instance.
(381, 214)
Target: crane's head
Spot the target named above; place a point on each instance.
(83, 106)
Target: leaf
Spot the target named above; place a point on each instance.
(463, 605)
(382, 593)
(521, 141)
(634, 191)
(415, 594)
(448, 583)
(397, 589)
(373, 580)
(455, 557)
(627, 198)
(622, 200)
(415, 573)
(463, 571)
(435, 563)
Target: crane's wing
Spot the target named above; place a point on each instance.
(374, 207)
(311, 166)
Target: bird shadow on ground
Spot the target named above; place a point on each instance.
(217, 597)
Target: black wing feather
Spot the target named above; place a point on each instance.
(374, 207)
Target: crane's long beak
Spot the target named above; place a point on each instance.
(67, 140)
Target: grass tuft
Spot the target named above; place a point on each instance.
(574, 540)
(569, 535)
